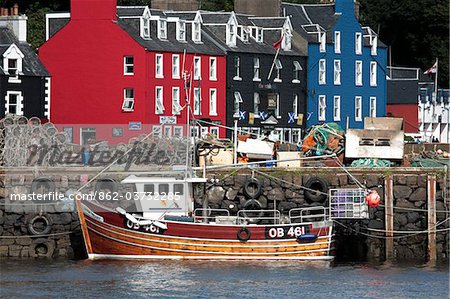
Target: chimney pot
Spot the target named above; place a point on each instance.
(16, 9)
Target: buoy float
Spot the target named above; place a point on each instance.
(373, 199)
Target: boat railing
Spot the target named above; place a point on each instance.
(208, 214)
(258, 216)
(311, 214)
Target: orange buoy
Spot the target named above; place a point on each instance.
(373, 199)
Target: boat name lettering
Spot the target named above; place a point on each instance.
(284, 232)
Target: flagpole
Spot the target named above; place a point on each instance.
(273, 63)
(436, 82)
(235, 141)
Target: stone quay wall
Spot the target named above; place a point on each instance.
(364, 239)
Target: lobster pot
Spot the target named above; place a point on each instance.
(348, 204)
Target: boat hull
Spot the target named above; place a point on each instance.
(107, 236)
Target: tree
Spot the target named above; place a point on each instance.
(416, 31)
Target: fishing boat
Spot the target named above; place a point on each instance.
(170, 228)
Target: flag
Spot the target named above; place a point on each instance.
(251, 118)
(277, 44)
(300, 119)
(432, 70)
(263, 115)
(242, 115)
(291, 116)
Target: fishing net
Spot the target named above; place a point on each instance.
(324, 139)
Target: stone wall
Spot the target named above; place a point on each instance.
(355, 239)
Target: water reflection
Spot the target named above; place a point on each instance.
(214, 279)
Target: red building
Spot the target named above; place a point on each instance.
(402, 96)
(125, 67)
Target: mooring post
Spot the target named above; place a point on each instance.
(431, 200)
(389, 217)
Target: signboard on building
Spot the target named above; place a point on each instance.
(134, 126)
(167, 120)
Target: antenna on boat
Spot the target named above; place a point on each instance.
(188, 112)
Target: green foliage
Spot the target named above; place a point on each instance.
(217, 5)
(417, 31)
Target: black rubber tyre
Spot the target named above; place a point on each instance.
(45, 223)
(42, 248)
(106, 185)
(252, 188)
(251, 205)
(42, 185)
(319, 184)
(244, 234)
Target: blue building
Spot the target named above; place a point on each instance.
(346, 76)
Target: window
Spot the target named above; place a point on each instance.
(168, 131)
(197, 68)
(287, 40)
(146, 28)
(244, 34)
(178, 131)
(279, 67)
(237, 103)
(159, 66)
(176, 66)
(295, 104)
(259, 35)
(337, 42)
(296, 72)
(14, 103)
(322, 74)
(358, 43)
(214, 131)
(159, 100)
(87, 135)
(197, 101)
(373, 107)
(163, 189)
(322, 41)
(358, 108)
(149, 189)
(256, 69)
(196, 32)
(237, 68)
(337, 72)
(213, 102)
(178, 189)
(277, 107)
(128, 100)
(296, 134)
(231, 34)
(181, 30)
(256, 102)
(212, 68)
(373, 50)
(373, 73)
(13, 67)
(358, 72)
(162, 29)
(176, 107)
(203, 131)
(322, 108)
(128, 65)
(337, 108)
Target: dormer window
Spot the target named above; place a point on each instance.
(12, 63)
(145, 28)
(287, 40)
(196, 32)
(181, 30)
(231, 34)
(244, 34)
(162, 29)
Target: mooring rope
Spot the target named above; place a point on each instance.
(37, 236)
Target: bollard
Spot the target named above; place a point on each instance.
(389, 217)
(431, 203)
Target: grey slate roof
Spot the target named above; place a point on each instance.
(402, 91)
(55, 24)
(215, 17)
(31, 65)
(268, 22)
(185, 15)
(321, 14)
(128, 11)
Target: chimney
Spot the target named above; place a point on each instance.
(261, 8)
(18, 24)
(345, 7)
(93, 10)
(15, 10)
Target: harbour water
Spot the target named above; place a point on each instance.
(206, 279)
